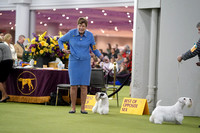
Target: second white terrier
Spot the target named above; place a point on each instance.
(102, 103)
(172, 113)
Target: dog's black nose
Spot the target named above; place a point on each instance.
(101, 94)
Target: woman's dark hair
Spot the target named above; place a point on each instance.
(82, 20)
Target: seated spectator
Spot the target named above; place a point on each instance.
(126, 61)
(106, 64)
(119, 59)
(122, 74)
(126, 51)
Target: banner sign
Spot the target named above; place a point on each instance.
(134, 106)
(90, 102)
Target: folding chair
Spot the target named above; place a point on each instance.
(62, 87)
(98, 81)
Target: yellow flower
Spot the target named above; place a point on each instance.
(33, 40)
(46, 44)
(67, 56)
(55, 37)
(52, 45)
(42, 43)
(33, 49)
(65, 46)
(46, 50)
(42, 36)
(36, 53)
(41, 51)
(60, 34)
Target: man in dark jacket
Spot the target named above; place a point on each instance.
(195, 50)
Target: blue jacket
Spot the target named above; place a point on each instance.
(79, 46)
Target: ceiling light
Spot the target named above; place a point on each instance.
(81, 11)
(110, 21)
(45, 24)
(103, 10)
(127, 13)
(1, 13)
(76, 8)
(38, 13)
(129, 21)
(63, 15)
(10, 23)
(116, 28)
(126, 6)
(61, 24)
(49, 18)
(11, 28)
(12, 10)
(54, 9)
(86, 17)
(102, 31)
(92, 22)
(67, 17)
(129, 16)
(41, 22)
(105, 14)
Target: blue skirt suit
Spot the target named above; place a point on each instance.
(79, 67)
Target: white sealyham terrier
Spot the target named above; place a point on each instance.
(172, 113)
(102, 103)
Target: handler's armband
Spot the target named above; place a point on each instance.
(94, 47)
(193, 48)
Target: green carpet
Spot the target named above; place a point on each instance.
(37, 118)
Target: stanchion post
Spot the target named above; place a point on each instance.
(114, 80)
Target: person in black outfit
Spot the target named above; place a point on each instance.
(6, 63)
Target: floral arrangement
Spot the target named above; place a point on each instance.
(42, 45)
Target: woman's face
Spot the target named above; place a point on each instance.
(9, 40)
(81, 28)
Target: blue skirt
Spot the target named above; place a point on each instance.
(79, 71)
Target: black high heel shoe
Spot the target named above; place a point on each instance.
(4, 100)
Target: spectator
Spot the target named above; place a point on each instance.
(119, 59)
(113, 54)
(102, 52)
(126, 51)
(8, 40)
(106, 64)
(6, 63)
(19, 46)
(108, 50)
(116, 49)
(2, 35)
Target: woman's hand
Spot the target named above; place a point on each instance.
(66, 51)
